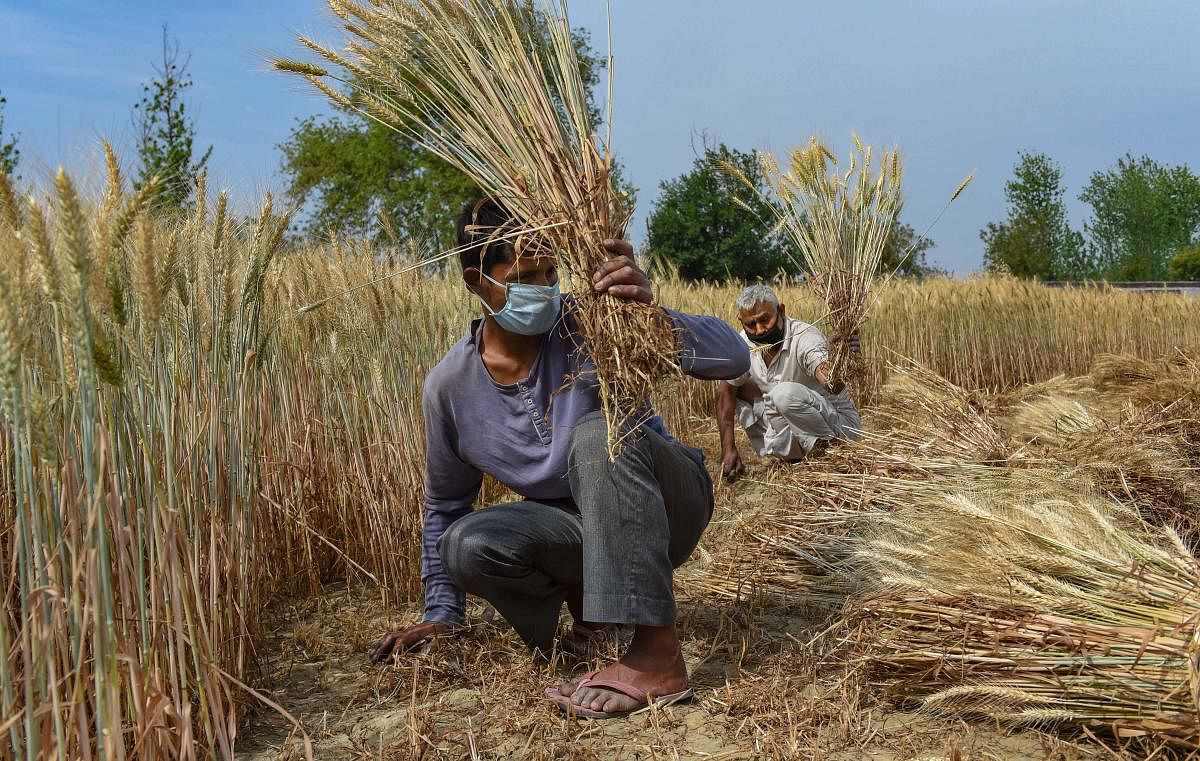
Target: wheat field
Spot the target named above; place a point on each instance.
(187, 450)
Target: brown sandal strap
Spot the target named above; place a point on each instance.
(624, 688)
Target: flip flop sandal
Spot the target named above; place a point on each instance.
(645, 703)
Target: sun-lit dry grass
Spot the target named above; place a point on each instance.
(183, 450)
(1024, 556)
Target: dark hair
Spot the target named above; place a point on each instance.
(477, 225)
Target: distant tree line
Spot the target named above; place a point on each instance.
(1145, 223)
(355, 177)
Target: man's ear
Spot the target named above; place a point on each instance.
(474, 279)
(782, 311)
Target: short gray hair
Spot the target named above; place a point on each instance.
(756, 294)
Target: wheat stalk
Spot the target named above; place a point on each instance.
(494, 89)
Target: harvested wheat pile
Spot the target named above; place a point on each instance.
(1024, 598)
(1025, 556)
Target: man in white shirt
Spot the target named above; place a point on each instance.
(785, 402)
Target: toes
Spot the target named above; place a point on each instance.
(604, 701)
(617, 702)
(587, 698)
(566, 689)
(584, 698)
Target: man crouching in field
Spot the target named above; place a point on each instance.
(602, 536)
(785, 401)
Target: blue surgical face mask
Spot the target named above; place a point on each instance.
(530, 310)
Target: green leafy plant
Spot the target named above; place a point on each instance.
(1143, 212)
(10, 153)
(1035, 241)
(698, 228)
(1185, 265)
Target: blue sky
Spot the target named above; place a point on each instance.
(957, 85)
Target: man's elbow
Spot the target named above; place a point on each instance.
(735, 365)
(724, 370)
(742, 360)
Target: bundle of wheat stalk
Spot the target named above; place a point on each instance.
(1139, 456)
(494, 88)
(841, 221)
(791, 555)
(1022, 597)
(1135, 443)
(793, 548)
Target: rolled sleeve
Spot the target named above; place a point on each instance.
(811, 349)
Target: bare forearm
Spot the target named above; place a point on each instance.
(822, 374)
(726, 404)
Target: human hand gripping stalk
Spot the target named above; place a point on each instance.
(620, 276)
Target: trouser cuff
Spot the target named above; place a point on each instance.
(636, 610)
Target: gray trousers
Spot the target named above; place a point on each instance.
(629, 524)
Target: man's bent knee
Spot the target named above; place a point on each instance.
(792, 396)
(464, 553)
(589, 440)
(590, 433)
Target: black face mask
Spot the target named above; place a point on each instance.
(770, 337)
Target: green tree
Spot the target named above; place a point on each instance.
(1185, 265)
(697, 227)
(905, 253)
(165, 132)
(352, 173)
(1143, 213)
(355, 176)
(1035, 241)
(10, 154)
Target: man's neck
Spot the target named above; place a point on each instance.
(508, 357)
(772, 351)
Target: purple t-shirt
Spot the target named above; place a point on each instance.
(520, 434)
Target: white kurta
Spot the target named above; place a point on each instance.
(795, 410)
